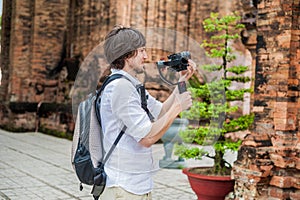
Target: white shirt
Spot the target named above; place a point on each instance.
(131, 165)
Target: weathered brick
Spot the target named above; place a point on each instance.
(282, 182)
(278, 193)
(257, 109)
(281, 161)
(266, 170)
(295, 195)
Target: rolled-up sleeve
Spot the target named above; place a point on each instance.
(126, 106)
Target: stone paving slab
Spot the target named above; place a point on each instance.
(38, 166)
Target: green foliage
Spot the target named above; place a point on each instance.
(240, 123)
(212, 68)
(211, 106)
(234, 95)
(190, 152)
(240, 69)
(56, 133)
(241, 79)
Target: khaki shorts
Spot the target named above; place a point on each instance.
(117, 193)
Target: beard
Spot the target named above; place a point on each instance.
(140, 74)
(139, 70)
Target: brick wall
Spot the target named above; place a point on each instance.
(32, 45)
(268, 161)
(36, 37)
(40, 35)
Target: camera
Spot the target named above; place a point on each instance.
(177, 61)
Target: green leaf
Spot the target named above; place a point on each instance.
(241, 123)
(211, 68)
(240, 26)
(240, 79)
(189, 152)
(234, 95)
(238, 69)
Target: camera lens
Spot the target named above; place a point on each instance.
(185, 54)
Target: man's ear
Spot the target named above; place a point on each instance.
(127, 62)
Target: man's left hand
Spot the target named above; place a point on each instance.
(187, 74)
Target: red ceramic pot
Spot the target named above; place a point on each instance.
(209, 187)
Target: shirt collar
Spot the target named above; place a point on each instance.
(134, 80)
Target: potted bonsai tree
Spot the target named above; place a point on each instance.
(213, 110)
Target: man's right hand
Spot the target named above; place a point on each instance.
(184, 100)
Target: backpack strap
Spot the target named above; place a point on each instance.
(142, 91)
(107, 81)
(97, 107)
(112, 148)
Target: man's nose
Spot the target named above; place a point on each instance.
(145, 55)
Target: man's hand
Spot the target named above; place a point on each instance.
(187, 74)
(184, 100)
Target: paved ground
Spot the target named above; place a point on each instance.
(37, 166)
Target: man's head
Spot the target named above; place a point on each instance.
(122, 43)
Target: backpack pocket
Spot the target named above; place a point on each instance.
(83, 166)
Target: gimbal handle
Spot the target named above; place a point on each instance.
(181, 87)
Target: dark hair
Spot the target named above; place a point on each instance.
(121, 43)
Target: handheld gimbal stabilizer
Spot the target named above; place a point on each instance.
(176, 62)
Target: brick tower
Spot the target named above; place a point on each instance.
(268, 164)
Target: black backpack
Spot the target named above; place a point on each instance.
(89, 163)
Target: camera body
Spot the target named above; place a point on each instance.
(177, 61)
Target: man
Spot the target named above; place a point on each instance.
(130, 167)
